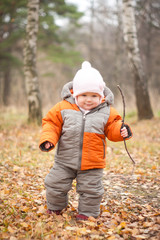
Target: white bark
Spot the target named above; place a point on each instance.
(130, 36)
(131, 40)
(30, 70)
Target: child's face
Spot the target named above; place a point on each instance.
(88, 100)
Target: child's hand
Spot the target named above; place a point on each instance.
(124, 132)
(48, 145)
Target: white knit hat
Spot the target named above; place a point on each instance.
(88, 79)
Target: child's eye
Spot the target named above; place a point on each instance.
(94, 96)
(84, 95)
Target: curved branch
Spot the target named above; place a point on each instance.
(123, 124)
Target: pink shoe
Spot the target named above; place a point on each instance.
(57, 212)
(81, 217)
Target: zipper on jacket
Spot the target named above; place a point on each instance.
(81, 140)
(104, 152)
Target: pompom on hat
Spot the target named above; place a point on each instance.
(88, 79)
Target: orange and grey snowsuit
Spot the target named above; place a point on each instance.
(81, 150)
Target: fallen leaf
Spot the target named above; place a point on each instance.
(111, 238)
(92, 219)
(11, 230)
(147, 224)
(13, 238)
(16, 168)
(41, 210)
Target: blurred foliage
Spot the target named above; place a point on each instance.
(149, 12)
(61, 54)
(13, 18)
(55, 37)
(12, 26)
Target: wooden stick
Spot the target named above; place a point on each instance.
(123, 124)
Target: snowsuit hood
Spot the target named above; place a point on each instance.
(67, 91)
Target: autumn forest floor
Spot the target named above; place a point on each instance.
(130, 207)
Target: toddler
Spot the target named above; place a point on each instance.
(80, 124)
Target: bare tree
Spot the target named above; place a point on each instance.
(30, 69)
(140, 79)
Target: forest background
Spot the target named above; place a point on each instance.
(66, 37)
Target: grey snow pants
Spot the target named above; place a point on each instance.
(89, 187)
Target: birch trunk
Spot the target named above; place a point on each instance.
(140, 79)
(30, 69)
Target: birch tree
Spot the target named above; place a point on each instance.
(30, 69)
(140, 78)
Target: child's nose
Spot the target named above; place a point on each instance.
(88, 99)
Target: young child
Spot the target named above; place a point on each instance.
(80, 124)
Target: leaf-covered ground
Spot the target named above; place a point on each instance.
(130, 207)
